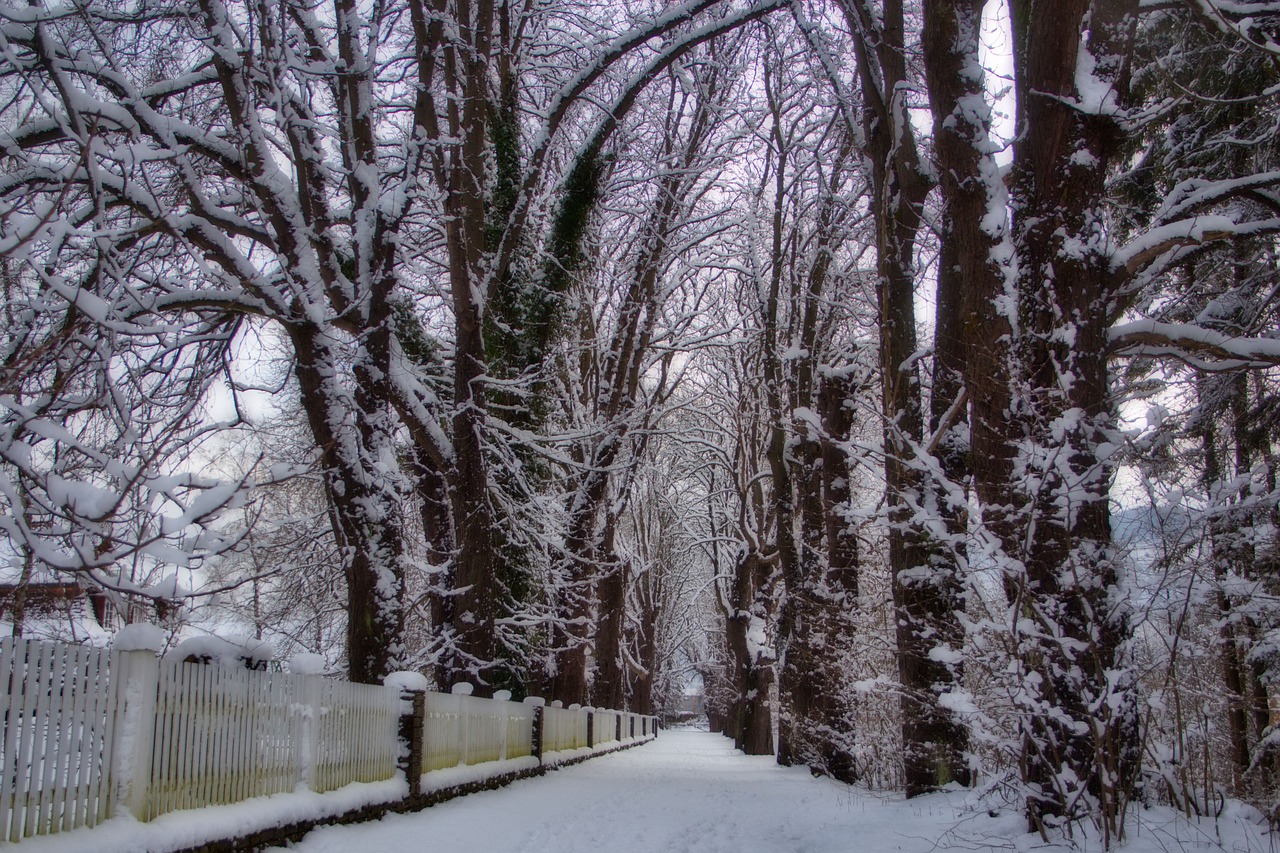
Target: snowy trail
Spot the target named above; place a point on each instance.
(686, 791)
(691, 791)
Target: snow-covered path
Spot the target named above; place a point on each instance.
(691, 791)
(687, 790)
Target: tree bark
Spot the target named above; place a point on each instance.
(364, 521)
(608, 689)
(750, 721)
(1066, 414)
(926, 592)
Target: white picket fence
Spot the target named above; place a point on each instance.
(464, 730)
(224, 735)
(88, 734)
(56, 744)
(563, 729)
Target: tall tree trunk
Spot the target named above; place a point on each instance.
(364, 497)
(926, 593)
(971, 350)
(474, 644)
(974, 331)
(750, 721)
(1232, 670)
(641, 698)
(608, 689)
(838, 704)
(570, 634)
(1079, 723)
(793, 626)
(1233, 675)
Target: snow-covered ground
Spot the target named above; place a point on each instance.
(691, 791)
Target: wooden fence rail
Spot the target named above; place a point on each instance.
(88, 734)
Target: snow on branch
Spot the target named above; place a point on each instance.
(1196, 345)
(1197, 194)
(1158, 242)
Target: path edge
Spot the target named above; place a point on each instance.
(278, 836)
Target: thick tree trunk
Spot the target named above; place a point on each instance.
(364, 498)
(813, 728)
(608, 689)
(837, 712)
(1232, 670)
(974, 333)
(570, 636)
(1079, 724)
(474, 647)
(816, 718)
(757, 738)
(835, 405)
(926, 592)
(969, 274)
(793, 627)
(437, 525)
(641, 699)
(750, 720)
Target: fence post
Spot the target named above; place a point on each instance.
(136, 682)
(504, 696)
(412, 730)
(538, 724)
(462, 690)
(309, 668)
(411, 736)
(591, 727)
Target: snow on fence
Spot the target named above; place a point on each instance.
(356, 737)
(463, 730)
(563, 728)
(604, 727)
(56, 744)
(224, 735)
(88, 734)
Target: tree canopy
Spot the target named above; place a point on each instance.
(598, 351)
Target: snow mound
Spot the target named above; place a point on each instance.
(407, 681)
(140, 637)
(307, 663)
(232, 650)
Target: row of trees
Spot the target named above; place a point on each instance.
(397, 202)
(1114, 253)
(580, 325)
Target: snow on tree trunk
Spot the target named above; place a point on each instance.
(926, 587)
(1079, 724)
